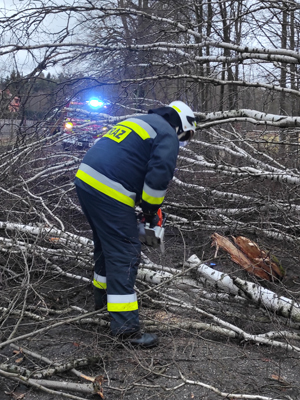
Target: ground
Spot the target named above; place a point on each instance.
(188, 363)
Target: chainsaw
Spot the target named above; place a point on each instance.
(152, 236)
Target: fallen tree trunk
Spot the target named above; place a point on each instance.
(211, 277)
(87, 388)
(261, 296)
(281, 305)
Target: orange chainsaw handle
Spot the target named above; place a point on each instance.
(160, 216)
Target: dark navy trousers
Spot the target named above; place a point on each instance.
(117, 252)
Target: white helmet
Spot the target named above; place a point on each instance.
(188, 120)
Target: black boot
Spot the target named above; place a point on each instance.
(100, 298)
(143, 340)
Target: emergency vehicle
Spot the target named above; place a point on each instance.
(81, 127)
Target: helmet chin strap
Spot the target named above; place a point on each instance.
(185, 136)
(181, 135)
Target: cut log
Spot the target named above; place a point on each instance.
(259, 258)
(238, 256)
(250, 257)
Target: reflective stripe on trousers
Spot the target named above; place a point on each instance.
(116, 303)
(99, 281)
(122, 302)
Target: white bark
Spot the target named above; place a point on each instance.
(87, 388)
(245, 171)
(49, 231)
(260, 295)
(281, 305)
(208, 275)
(153, 276)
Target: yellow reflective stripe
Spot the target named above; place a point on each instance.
(151, 199)
(122, 307)
(122, 302)
(177, 109)
(100, 285)
(99, 281)
(137, 128)
(105, 189)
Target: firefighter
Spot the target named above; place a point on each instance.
(131, 164)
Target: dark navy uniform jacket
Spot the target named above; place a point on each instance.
(134, 161)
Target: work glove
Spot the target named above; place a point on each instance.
(152, 219)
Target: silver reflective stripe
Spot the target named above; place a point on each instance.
(144, 125)
(99, 278)
(152, 192)
(121, 298)
(106, 181)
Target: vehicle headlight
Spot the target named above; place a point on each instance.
(68, 125)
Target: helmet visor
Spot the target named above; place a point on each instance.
(191, 120)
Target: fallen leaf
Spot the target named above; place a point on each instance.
(16, 396)
(19, 396)
(279, 379)
(54, 239)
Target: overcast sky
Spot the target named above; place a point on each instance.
(23, 60)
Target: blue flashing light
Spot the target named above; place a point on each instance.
(95, 103)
